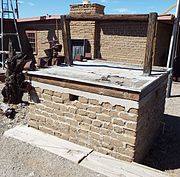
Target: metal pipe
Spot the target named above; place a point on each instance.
(172, 49)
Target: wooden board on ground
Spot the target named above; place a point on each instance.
(112, 167)
(48, 142)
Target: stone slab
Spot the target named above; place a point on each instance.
(112, 167)
(48, 142)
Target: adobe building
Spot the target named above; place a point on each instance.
(107, 104)
(106, 37)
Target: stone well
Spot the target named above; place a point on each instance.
(110, 108)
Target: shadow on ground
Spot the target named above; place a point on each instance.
(165, 153)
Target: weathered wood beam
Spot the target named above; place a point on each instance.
(66, 35)
(87, 87)
(131, 17)
(150, 44)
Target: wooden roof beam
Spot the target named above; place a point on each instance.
(130, 17)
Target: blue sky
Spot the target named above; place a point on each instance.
(30, 8)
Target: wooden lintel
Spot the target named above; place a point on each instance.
(131, 17)
(66, 35)
(152, 22)
(86, 87)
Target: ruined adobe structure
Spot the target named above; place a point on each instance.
(119, 41)
(114, 119)
(120, 121)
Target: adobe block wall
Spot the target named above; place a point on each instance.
(43, 37)
(151, 110)
(113, 41)
(84, 30)
(99, 125)
(46, 31)
(124, 130)
(123, 41)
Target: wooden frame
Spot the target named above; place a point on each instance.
(150, 45)
(151, 33)
(35, 51)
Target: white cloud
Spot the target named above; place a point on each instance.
(31, 4)
(123, 11)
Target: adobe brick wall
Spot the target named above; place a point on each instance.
(105, 128)
(124, 131)
(151, 110)
(45, 32)
(43, 37)
(123, 41)
(84, 30)
(113, 41)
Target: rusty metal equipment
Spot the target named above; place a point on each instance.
(52, 57)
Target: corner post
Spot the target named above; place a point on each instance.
(152, 22)
(66, 35)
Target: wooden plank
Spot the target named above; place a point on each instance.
(55, 145)
(66, 35)
(130, 17)
(150, 44)
(87, 87)
(112, 167)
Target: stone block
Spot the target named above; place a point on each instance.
(84, 126)
(57, 94)
(129, 116)
(72, 109)
(57, 99)
(91, 115)
(46, 130)
(97, 123)
(82, 112)
(95, 135)
(119, 108)
(103, 117)
(80, 105)
(33, 123)
(131, 125)
(118, 121)
(46, 97)
(95, 129)
(83, 100)
(107, 105)
(96, 109)
(118, 129)
(65, 96)
(48, 92)
(94, 102)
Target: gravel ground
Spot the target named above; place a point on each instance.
(18, 159)
(20, 118)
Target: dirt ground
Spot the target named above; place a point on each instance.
(19, 159)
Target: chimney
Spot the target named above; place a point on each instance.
(86, 8)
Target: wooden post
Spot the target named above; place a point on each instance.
(66, 35)
(150, 44)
